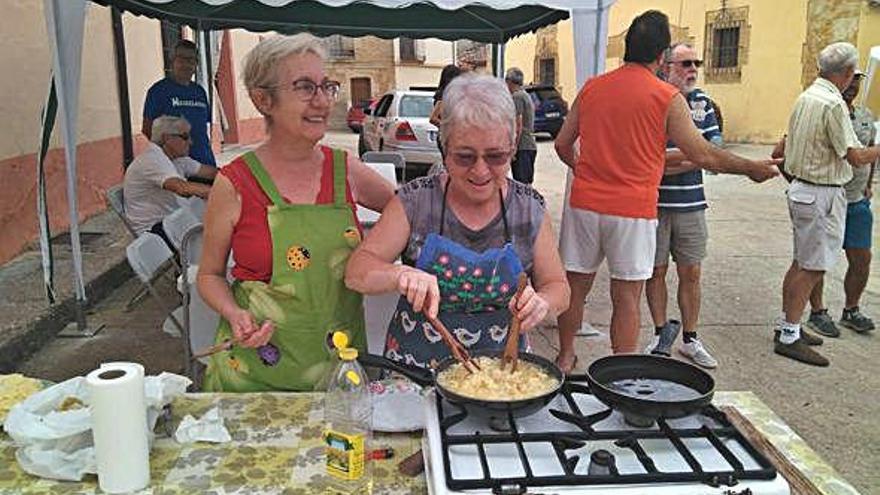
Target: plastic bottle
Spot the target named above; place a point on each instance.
(348, 413)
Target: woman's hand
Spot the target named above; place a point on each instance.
(420, 289)
(530, 308)
(245, 330)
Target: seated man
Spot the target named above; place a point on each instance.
(158, 176)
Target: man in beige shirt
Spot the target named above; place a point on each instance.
(821, 150)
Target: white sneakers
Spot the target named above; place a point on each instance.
(695, 351)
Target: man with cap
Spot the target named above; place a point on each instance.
(526, 148)
(822, 150)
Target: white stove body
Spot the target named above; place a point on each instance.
(504, 461)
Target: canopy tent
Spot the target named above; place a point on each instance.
(870, 71)
(493, 21)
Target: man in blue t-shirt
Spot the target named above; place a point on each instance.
(178, 96)
(681, 221)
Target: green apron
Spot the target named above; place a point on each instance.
(306, 299)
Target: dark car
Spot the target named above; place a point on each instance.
(550, 108)
(355, 117)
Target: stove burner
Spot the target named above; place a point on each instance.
(596, 429)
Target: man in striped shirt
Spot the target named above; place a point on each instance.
(681, 216)
(821, 150)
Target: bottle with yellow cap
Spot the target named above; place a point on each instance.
(348, 413)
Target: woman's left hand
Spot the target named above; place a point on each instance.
(530, 308)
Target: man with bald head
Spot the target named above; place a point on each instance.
(681, 220)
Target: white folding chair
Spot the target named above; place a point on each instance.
(388, 157)
(199, 321)
(366, 216)
(116, 201)
(177, 223)
(149, 257)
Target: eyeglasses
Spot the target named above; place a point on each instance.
(306, 89)
(469, 159)
(688, 63)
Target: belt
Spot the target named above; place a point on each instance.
(816, 183)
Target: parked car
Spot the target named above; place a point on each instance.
(355, 117)
(550, 108)
(399, 122)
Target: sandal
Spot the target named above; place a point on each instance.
(574, 363)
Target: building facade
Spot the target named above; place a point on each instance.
(758, 55)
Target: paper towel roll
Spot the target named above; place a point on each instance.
(119, 426)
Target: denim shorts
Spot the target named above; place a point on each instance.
(859, 225)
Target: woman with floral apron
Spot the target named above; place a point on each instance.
(464, 237)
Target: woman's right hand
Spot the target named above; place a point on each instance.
(420, 289)
(245, 330)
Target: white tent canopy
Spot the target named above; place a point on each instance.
(65, 20)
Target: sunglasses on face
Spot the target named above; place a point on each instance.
(306, 89)
(687, 64)
(469, 158)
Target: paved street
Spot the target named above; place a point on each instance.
(835, 409)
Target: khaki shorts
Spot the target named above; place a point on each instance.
(587, 237)
(817, 216)
(683, 234)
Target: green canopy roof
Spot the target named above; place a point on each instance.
(491, 21)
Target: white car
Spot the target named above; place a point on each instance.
(399, 122)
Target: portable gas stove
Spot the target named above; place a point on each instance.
(578, 445)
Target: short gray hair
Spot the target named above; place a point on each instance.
(837, 58)
(167, 124)
(479, 101)
(261, 63)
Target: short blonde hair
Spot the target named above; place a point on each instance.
(478, 101)
(261, 63)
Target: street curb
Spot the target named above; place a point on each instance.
(42, 329)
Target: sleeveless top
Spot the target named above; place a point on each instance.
(251, 242)
(422, 200)
(622, 130)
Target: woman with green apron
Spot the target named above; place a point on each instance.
(287, 213)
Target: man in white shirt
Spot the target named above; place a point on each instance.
(156, 178)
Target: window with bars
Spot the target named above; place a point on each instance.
(727, 44)
(410, 50)
(339, 46)
(547, 71)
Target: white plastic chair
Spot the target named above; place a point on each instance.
(199, 321)
(388, 157)
(116, 201)
(149, 257)
(366, 216)
(177, 223)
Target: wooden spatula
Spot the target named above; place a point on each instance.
(511, 350)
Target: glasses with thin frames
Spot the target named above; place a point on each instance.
(306, 89)
(687, 64)
(469, 158)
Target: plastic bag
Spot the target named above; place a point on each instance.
(52, 428)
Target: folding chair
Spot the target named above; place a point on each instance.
(177, 223)
(116, 201)
(149, 257)
(388, 157)
(366, 216)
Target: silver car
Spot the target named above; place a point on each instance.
(399, 122)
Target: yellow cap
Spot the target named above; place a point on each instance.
(348, 354)
(340, 339)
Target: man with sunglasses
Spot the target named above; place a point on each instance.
(159, 175)
(179, 96)
(681, 217)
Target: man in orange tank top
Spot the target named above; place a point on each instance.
(623, 120)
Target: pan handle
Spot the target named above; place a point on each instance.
(421, 376)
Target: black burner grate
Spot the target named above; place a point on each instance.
(563, 442)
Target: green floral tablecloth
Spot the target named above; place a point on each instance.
(276, 448)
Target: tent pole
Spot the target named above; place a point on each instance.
(122, 87)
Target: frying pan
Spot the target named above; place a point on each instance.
(647, 387)
(490, 409)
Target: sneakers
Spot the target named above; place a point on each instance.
(821, 323)
(855, 320)
(800, 351)
(806, 338)
(695, 351)
(662, 344)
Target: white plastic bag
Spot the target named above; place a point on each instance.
(58, 444)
